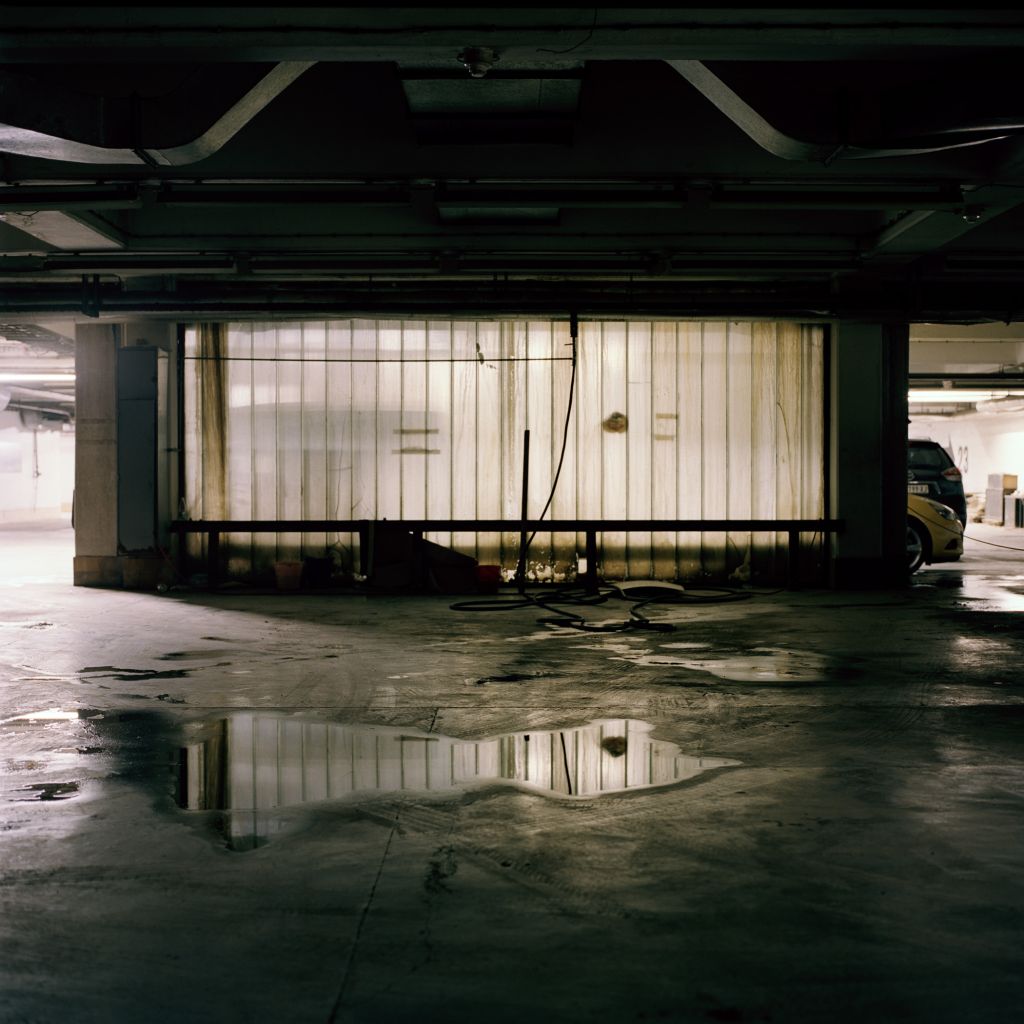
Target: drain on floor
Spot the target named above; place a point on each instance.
(254, 766)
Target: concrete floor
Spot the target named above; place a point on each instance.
(863, 860)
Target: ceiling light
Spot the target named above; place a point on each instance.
(478, 60)
(960, 396)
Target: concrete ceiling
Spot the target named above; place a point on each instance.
(264, 161)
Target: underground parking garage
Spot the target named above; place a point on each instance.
(488, 590)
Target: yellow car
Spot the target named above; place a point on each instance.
(934, 533)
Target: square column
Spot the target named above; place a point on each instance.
(102, 468)
(868, 454)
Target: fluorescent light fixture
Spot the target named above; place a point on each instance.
(37, 378)
(957, 396)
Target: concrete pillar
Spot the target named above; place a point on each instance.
(868, 453)
(98, 559)
(95, 514)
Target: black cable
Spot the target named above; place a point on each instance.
(573, 333)
(562, 617)
(964, 535)
(991, 544)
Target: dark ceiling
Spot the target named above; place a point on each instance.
(265, 161)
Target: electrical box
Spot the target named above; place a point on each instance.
(1005, 482)
(141, 448)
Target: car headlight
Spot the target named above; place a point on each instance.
(943, 510)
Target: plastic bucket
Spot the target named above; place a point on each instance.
(288, 575)
(487, 578)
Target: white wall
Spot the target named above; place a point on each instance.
(25, 496)
(980, 443)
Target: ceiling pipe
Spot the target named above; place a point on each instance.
(786, 147)
(25, 142)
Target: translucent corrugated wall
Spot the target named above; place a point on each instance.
(383, 419)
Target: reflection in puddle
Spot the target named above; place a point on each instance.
(761, 665)
(992, 595)
(50, 715)
(49, 791)
(250, 765)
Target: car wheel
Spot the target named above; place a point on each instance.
(916, 549)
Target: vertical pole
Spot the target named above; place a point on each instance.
(793, 568)
(590, 580)
(524, 512)
(179, 504)
(213, 559)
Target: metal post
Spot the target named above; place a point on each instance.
(794, 558)
(213, 559)
(590, 578)
(521, 567)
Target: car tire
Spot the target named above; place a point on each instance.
(917, 549)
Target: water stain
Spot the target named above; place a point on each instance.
(443, 866)
(198, 655)
(132, 675)
(513, 677)
(48, 791)
(983, 620)
(764, 665)
(618, 646)
(254, 767)
(616, 423)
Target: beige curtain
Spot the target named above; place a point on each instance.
(413, 419)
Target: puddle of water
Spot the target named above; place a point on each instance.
(132, 675)
(761, 665)
(252, 766)
(992, 595)
(611, 647)
(199, 655)
(513, 677)
(52, 715)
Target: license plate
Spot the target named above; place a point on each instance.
(918, 488)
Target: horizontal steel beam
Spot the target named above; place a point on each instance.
(330, 32)
(653, 195)
(508, 525)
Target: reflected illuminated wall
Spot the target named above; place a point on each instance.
(425, 419)
(256, 763)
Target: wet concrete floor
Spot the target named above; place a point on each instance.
(798, 807)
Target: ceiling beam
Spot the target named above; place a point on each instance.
(69, 231)
(254, 33)
(26, 142)
(787, 147)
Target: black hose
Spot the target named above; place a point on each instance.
(562, 617)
